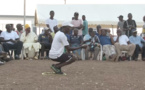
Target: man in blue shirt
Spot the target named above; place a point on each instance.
(108, 45)
(45, 41)
(137, 40)
(76, 41)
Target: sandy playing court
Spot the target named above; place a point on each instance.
(81, 75)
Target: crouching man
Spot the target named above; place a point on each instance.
(56, 52)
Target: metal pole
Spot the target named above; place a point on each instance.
(22, 55)
(64, 1)
(112, 30)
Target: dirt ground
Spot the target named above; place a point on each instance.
(81, 75)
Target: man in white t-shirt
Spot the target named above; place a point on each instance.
(51, 22)
(57, 49)
(11, 41)
(77, 23)
(123, 44)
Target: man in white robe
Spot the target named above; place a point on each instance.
(29, 39)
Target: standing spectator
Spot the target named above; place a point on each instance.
(143, 31)
(71, 31)
(85, 25)
(129, 25)
(51, 22)
(76, 41)
(120, 24)
(123, 44)
(11, 41)
(108, 45)
(137, 40)
(45, 41)
(77, 23)
(19, 29)
(29, 38)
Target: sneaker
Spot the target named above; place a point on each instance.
(2, 63)
(55, 69)
(36, 58)
(17, 57)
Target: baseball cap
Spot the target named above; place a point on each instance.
(120, 16)
(27, 26)
(67, 23)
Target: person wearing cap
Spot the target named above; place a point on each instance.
(57, 49)
(11, 41)
(120, 24)
(45, 41)
(19, 29)
(137, 40)
(77, 23)
(51, 22)
(129, 25)
(122, 43)
(29, 38)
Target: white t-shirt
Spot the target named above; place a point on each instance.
(52, 23)
(123, 39)
(7, 36)
(58, 44)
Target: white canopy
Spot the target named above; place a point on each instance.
(95, 14)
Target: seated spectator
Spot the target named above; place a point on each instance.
(94, 43)
(11, 41)
(3, 55)
(76, 41)
(137, 40)
(29, 38)
(19, 29)
(87, 40)
(55, 28)
(123, 44)
(107, 42)
(45, 41)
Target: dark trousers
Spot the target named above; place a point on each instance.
(143, 52)
(18, 46)
(128, 33)
(44, 47)
(136, 52)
